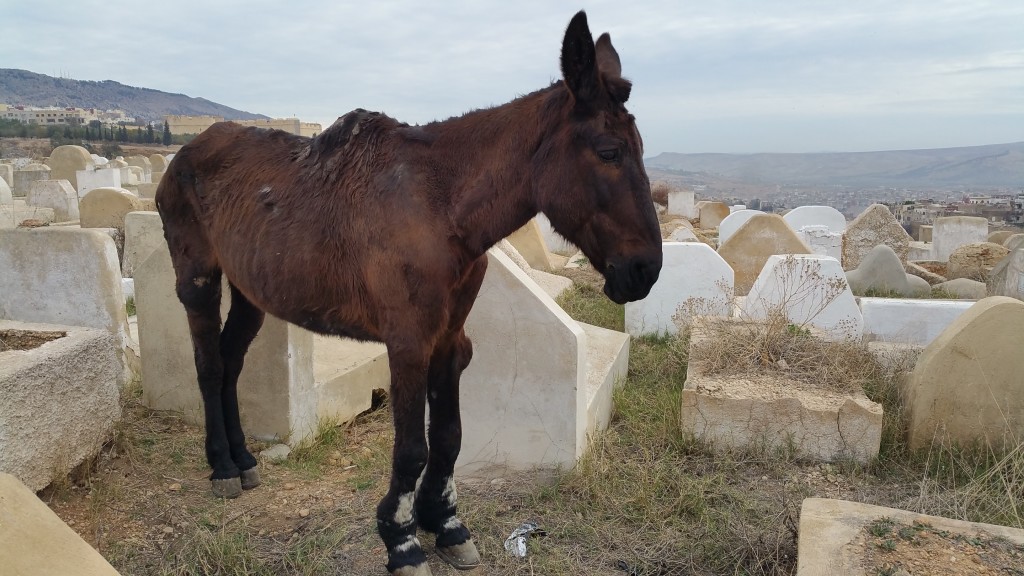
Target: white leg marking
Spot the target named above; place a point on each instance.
(452, 523)
(409, 544)
(403, 515)
(450, 494)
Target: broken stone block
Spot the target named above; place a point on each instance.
(974, 261)
(769, 412)
(832, 535)
(926, 275)
(967, 386)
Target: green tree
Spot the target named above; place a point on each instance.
(167, 133)
(150, 135)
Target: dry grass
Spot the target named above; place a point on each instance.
(643, 501)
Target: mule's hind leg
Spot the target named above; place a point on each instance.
(243, 323)
(200, 292)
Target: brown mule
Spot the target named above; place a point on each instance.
(377, 230)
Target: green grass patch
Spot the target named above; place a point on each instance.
(585, 303)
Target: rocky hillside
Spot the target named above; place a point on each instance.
(31, 89)
(993, 165)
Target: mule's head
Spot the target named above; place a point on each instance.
(591, 181)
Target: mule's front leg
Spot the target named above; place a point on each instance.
(437, 497)
(396, 514)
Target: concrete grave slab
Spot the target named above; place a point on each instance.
(682, 203)
(538, 379)
(694, 277)
(552, 284)
(18, 213)
(143, 233)
(909, 321)
(529, 242)
(107, 207)
(876, 225)
(6, 195)
(144, 165)
(926, 275)
(952, 232)
(827, 216)
(924, 234)
(66, 161)
(967, 384)
(7, 174)
(89, 180)
(881, 271)
(749, 248)
(24, 178)
(555, 242)
(1007, 278)
(964, 288)
(999, 236)
(34, 540)
(731, 223)
(822, 241)
(832, 531)
(682, 234)
(1014, 242)
(811, 291)
(345, 374)
(711, 214)
(920, 251)
(60, 401)
(770, 412)
(56, 194)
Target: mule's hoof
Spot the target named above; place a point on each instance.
(421, 569)
(461, 556)
(250, 478)
(227, 487)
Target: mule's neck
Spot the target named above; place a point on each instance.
(488, 168)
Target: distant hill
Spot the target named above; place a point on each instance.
(31, 89)
(996, 165)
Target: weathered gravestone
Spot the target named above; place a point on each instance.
(694, 280)
(828, 216)
(143, 164)
(809, 291)
(143, 234)
(6, 195)
(711, 214)
(7, 174)
(999, 236)
(822, 240)
(529, 242)
(881, 271)
(952, 232)
(24, 178)
(540, 384)
(66, 161)
(963, 288)
(107, 207)
(909, 321)
(682, 203)
(749, 248)
(974, 261)
(874, 226)
(89, 180)
(731, 223)
(967, 386)
(34, 540)
(56, 194)
(1007, 278)
(158, 162)
(1014, 242)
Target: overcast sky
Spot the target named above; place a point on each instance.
(709, 76)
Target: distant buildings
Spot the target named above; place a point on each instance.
(69, 116)
(180, 125)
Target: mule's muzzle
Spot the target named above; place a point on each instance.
(631, 279)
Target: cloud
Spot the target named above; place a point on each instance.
(721, 74)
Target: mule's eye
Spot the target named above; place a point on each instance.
(609, 154)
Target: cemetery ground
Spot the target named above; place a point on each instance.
(643, 501)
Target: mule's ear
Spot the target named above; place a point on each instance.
(611, 69)
(607, 58)
(579, 60)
